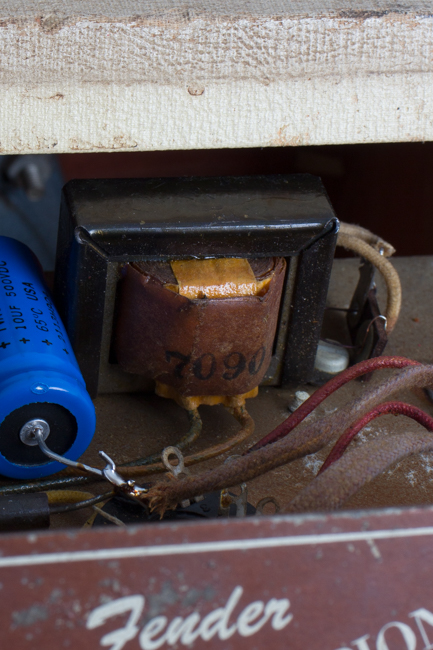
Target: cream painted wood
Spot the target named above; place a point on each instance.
(107, 75)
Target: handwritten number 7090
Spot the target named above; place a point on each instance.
(205, 366)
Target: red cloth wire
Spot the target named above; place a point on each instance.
(388, 408)
(362, 368)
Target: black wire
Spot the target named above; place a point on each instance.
(73, 481)
(70, 507)
(48, 484)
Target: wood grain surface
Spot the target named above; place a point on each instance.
(121, 75)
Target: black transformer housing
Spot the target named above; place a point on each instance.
(105, 224)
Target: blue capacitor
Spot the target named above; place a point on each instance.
(39, 375)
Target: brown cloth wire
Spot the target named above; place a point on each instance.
(303, 442)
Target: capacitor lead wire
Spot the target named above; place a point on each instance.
(140, 467)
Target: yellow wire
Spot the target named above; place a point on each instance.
(56, 497)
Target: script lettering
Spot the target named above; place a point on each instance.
(119, 637)
(158, 631)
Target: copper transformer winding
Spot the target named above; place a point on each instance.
(203, 330)
(212, 347)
